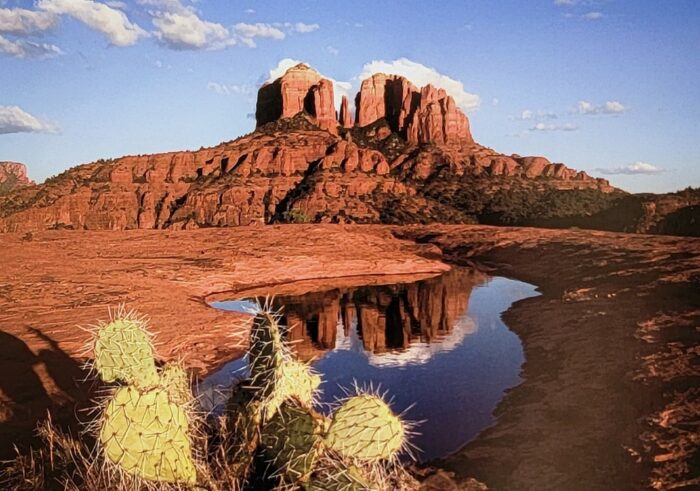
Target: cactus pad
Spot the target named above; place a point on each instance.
(292, 379)
(291, 439)
(365, 428)
(335, 478)
(123, 352)
(147, 436)
(176, 382)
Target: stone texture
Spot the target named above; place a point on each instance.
(13, 175)
(294, 165)
(301, 88)
(438, 120)
(425, 116)
(391, 97)
(345, 119)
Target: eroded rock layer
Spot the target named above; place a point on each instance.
(409, 158)
(13, 175)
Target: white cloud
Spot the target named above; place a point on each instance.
(422, 75)
(180, 27)
(592, 16)
(635, 168)
(111, 22)
(248, 32)
(340, 89)
(28, 49)
(566, 3)
(304, 28)
(229, 89)
(22, 21)
(15, 120)
(332, 50)
(554, 127)
(185, 30)
(495, 101)
(529, 115)
(249, 11)
(610, 107)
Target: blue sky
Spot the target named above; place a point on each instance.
(606, 86)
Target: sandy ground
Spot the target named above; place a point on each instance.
(610, 397)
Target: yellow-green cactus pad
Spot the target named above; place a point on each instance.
(176, 382)
(366, 428)
(292, 379)
(339, 479)
(291, 439)
(124, 352)
(147, 435)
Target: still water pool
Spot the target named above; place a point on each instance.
(437, 347)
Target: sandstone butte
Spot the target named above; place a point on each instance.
(303, 162)
(13, 175)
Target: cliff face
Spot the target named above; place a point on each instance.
(13, 175)
(422, 116)
(304, 162)
(301, 88)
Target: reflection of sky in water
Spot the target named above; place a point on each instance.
(453, 383)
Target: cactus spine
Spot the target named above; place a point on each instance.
(124, 353)
(273, 409)
(365, 428)
(145, 425)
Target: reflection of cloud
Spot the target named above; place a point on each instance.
(418, 353)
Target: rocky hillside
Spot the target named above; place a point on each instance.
(408, 157)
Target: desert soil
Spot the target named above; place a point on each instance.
(610, 397)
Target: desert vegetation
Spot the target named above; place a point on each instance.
(148, 431)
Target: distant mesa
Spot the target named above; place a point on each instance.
(407, 156)
(13, 175)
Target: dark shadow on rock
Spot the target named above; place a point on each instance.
(25, 400)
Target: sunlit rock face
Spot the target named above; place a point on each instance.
(409, 157)
(301, 88)
(422, 116)
(394, 325)
(13, 175)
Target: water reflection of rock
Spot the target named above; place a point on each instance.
(390, 319)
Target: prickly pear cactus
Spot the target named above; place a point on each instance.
(124, 352)
(146, 435)
(366, 428)
(176, 382)
(274, 375)
(291, 440)
(267, 350)
(335, 478)
(292, 379)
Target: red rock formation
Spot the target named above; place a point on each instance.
(345, 119)
(323, 109)
(428, 116)
(301, 88)
(391, 97)
(289, 168)
(13, 175)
